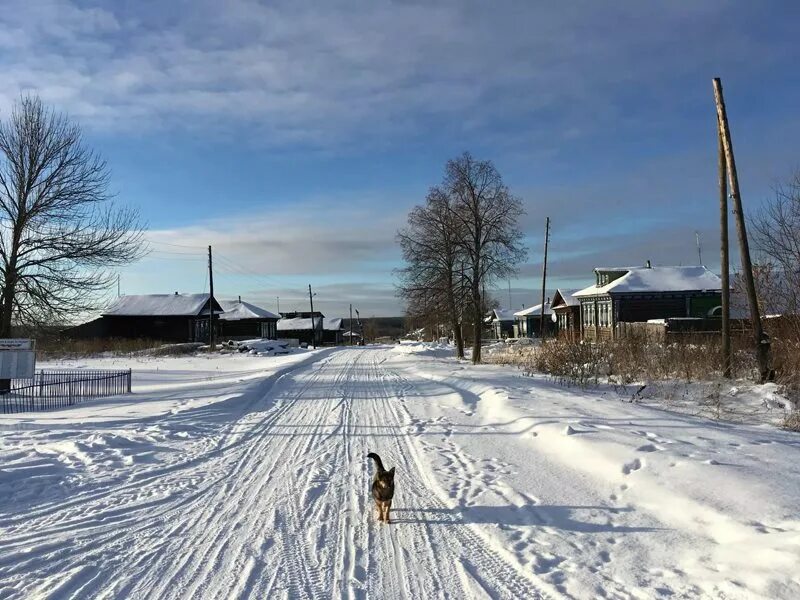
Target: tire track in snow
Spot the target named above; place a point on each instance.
(282, 509)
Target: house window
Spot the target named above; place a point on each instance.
(589, 314)
(604, 310)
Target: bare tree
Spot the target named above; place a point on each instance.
(432, 276)
(776, 234)
(59, 229)
(490, 240)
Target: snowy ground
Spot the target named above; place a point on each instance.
(246, 477)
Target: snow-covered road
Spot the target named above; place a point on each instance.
(264, 494)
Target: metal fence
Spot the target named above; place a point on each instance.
(57, 389)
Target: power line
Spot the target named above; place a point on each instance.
(175, 245)
(166, 253)
(237, 268)
(260, 283)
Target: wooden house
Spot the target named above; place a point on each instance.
(243, 320)
(501, 322)
(528, 321)
(312, 330)
(567, 309)
(638, 294)
(163, 317)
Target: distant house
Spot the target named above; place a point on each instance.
(326, 332)
(638, 294)
(245, 320)
(300, 314)
(567, 309)
(164, 317)
(501, 322)
(351, 340)
(528, 321)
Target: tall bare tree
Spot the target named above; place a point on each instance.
(490, 239)
(60, 232)
(776, 236)
(432, 276)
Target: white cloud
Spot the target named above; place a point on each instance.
(327, 237)
(319, 74)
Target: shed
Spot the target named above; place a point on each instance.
(245, 320)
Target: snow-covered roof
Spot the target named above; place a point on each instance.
(236, 310)
(502, 314)
(162, 305)
(567, 298)
(300, 324)
(657, 279)
(534, 311)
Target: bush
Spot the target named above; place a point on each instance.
(48, 348)
(792, 421)
(628, 360)
(786, 362)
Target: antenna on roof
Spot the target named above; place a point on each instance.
(699, 250)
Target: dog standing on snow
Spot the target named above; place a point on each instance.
(382, 488)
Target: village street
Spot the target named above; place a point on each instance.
(263, 492)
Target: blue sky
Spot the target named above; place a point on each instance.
(294, 137)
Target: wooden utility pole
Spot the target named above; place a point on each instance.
(760, 339)
(313, 322)
(544, 276)
(463, 295)
(211, 343)
(724, 259)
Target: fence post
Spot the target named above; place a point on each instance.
(129, 380)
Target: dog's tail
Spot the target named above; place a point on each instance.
(377, 460)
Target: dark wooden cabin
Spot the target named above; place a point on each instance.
(325, 332)
(242, 320)
(164, 317)
(639, 294)
(567, 309)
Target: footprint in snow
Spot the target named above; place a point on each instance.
(648, 448)
(634, 465)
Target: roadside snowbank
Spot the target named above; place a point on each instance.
(699, 491)
(166, 385)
